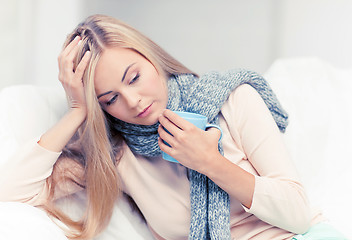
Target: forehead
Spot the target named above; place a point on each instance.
(117, 57)
(113, 62)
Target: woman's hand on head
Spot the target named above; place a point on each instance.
(191, 146)
(70, 78)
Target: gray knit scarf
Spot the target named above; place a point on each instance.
(210, 205)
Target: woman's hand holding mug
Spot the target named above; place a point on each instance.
(182, 137)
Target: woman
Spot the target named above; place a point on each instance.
(121, 88)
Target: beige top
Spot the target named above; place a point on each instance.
(160, 188)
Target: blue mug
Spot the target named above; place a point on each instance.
(199, 121)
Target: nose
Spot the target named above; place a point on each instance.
(132, 99)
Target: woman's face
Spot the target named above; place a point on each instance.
(129, 87)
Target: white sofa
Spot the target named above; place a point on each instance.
(316, 95)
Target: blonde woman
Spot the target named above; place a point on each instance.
(122, 88)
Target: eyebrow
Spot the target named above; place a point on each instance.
(123, 78)
(103, 94)
(124, 74)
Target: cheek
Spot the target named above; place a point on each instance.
(117, 112)
(158, 87)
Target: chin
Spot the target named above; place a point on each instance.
(150, 121)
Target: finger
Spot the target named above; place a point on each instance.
(69, 59)
(214, 132)
(164, 147)
(177, 120)
(164, 135)
(70, 46)
(67, 50)
(169, 125)
(68, 54)
(82, 65)
(68, 70)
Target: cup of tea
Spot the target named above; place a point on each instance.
(199, 121)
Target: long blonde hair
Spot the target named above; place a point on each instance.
(96, 147)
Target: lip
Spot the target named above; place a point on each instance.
(145, 112)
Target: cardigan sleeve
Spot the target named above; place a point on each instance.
(279, 198)
(23, 178)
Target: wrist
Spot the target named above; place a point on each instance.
(78, 113)
(59, 135)
(211, 164)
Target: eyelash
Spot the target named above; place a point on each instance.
(113, 99)
(135, 78)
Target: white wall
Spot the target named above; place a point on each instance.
(319, 28)
(33, 32)
(207, 34)
(9, 47)
(203, 34)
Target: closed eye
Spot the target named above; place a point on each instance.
(112, 100)
(134, 79)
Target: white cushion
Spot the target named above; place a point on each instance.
(20, 221)
(318, 99)
(27, 112)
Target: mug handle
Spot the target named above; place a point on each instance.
(214, 126)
